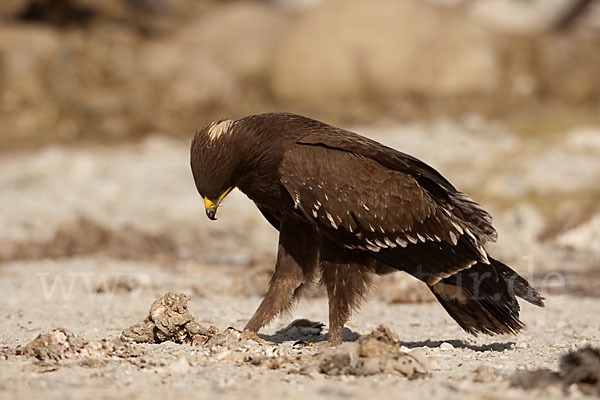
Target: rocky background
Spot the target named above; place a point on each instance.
(120, 69)
(100, 217)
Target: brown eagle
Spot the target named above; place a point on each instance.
(348, 207)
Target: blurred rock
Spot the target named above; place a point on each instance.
(296, 5)
(150, 6)
(88, 237)
(534, 16)
(542, 377)
(201, 70)
(189, 81)
(24, 54)
(582, 367)
(240, 37)
(11, 8)
(579, 367)
(63, 13)
(74, 70)
(519, 16)
(341, 52)
(567, 71)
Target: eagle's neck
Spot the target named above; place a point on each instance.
(261, 148)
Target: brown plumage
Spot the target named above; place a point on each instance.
(348, 207)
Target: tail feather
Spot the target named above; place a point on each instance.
(482, 299)
(517, 284)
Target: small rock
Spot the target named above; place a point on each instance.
(446, 346)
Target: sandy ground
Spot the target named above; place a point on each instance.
(455, 370)
(92, 236)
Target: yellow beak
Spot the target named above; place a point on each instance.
(211, 206)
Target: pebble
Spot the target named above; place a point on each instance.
(446, 346)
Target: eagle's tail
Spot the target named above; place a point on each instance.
(482, 299)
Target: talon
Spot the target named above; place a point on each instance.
(251, 335)
(303, 343)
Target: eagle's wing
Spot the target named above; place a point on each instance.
(442, 191)
(361, 204)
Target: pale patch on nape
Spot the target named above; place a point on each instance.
(217, 129)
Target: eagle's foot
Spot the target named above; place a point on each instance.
(322, 346)
(251, 335)
(333, 339)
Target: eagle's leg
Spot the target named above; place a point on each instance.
(347, 276)
(296, 260)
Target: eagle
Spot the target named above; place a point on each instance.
(348, 208)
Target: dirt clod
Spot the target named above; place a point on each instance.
(60, 344)
(168, 320)
(580, 367)
(56, 344)
(376, 353)
(229, 338)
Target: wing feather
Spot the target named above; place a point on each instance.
(472, 215)
(361, 204)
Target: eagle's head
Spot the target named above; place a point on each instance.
(214, 163)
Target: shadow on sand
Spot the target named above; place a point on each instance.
(305, 331)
